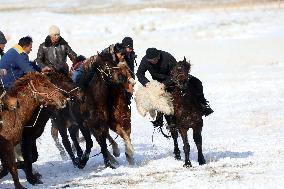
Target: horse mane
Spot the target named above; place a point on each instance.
(23, 81)
(57, 76)
(85, 78)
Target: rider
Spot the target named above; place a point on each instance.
(53, 52)
(159, 64)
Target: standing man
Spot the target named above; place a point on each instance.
(53, 52)
(160, 63)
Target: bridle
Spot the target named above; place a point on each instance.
(35, 92)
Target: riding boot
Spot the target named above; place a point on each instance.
(206, 110)
(159, 120)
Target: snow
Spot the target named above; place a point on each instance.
(236, 51)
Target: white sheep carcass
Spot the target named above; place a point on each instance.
(153, 98)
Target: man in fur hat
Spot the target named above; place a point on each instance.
(54, 50)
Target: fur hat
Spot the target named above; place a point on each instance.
(152, 53)
(53, 30)
(127, 42)
(2, 38)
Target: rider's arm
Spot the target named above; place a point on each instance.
(141, 72)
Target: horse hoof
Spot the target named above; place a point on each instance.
(187, 165)
(34, 181)
(201, 161)
(108, 164)
(37, 175)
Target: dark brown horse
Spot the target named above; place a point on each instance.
(31, 91)
(102, 77)
(187, 113)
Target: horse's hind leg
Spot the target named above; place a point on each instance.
(129, 150)
(174, 134)
(197, 137)
(8, 159)
(115, 148)
(186, 147)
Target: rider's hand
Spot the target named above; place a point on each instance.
(46, 69)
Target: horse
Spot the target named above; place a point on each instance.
(32, 90)
(121, 114)
(187, 113)
(62, 118)
(102, 76)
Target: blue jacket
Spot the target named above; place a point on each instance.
(17, 63)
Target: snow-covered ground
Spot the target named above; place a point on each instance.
(237, 50)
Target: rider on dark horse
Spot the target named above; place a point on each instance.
(159, 64)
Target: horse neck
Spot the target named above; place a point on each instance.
(27, 106)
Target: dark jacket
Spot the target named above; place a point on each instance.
(55, 56)
(160, 71)
(130, 58)
(17, 63)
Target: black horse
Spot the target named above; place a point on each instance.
(187, 113)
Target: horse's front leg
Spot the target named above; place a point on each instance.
(89, 144)
(54, 134)
(29, 157)
(74, 133)
(174, 134)
(197, 137)
(8, 160)
(186, 146)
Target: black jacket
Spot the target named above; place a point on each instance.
(55, 56)
(130, 59)
(160, 71)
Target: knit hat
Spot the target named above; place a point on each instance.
(54, 30)
(127, 42)
(2, 38)
(118, 48)
(152, 53)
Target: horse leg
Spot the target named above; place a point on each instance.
(54, 134)
(74, 131)
(101, 139)
(8, 160)
(89, 144)
(129, 150)
(174, 134)
(30, 156)
(197, 137)
(186, 147)
(63, 132)
(114, 145)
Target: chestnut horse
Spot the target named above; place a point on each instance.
(62, 118)
(31, 91)
(187, 113)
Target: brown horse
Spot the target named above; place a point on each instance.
(32, 90)
(187, 113)
(121, 115)
(101, 78)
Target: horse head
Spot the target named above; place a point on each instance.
(40, 88)
(65, 84)
(180, 73)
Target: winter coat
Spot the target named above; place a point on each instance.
(17, 63)
(160, 71)
(130, 59)
(55, 56)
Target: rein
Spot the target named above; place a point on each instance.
(46, 95)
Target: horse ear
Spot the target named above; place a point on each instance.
(184, 59)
